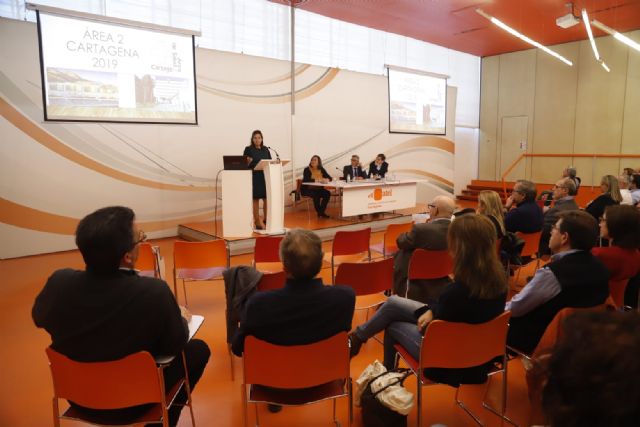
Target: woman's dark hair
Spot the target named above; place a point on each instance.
(593, 372)
(472, 243)
(254, 133)
(382, 156)
(623, 223)
(581, 227)
(104, 236)
(319, 160)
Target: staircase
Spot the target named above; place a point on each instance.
(477, 185)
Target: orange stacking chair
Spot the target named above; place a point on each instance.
(266, 255)
(459, 345)
(388, 246)
(270, 281)
(369, 281)
(426, 264)
(530, 249)
(130, 381)
(198, 261)
(349, 246)
(146, 263)
(296, 374)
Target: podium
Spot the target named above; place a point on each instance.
(274, 181)
(237, 210)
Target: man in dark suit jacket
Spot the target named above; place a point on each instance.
(563, 192)
(432, 235)
(354, 170)
(523, 213)
(304, 311)
(108, 312)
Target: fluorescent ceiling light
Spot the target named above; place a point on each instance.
(624, 39)
(585, 19)
(522, 37)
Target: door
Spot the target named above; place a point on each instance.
(514, 143)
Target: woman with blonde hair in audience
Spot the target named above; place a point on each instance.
(490, 205)
(477, 295)
(610, 196)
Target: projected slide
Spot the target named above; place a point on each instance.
(417, 103)
(95, 71)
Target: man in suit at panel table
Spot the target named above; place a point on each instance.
(107, 311)
(431, 235)
(354, 170)
(564, 196)
(305, 310)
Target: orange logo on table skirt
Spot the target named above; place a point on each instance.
(378, 193)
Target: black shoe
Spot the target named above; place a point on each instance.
(354, 345)
(323, 215)
(274, 409)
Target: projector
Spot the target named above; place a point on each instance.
(567, 21)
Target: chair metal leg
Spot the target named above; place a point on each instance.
(350, 399)
(255, 406)
(419, 386)
(467, 410)
(184, 289)
(56, 413)
(187, 386)
(245, 414)
(231, 362)
(502, 413)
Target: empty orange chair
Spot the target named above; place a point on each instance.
(388, 246)
(459, 345)
(296, 374)
(368, 280)
(198, 261)
(146, 263)
(270, 281)
(349, 246)
(530, 249)
(266, 255)
(130, 381)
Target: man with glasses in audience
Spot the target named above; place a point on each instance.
(107, 311)
(563, 196)
(634, 189)
(523, 213)
(573, 278)
(431, 235)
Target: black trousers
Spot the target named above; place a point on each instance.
(197, 355)
(320, 198)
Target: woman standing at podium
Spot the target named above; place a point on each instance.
(255, 152)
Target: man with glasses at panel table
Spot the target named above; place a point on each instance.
(563, 196)
(107, 311)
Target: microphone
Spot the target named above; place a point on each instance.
(275, 151)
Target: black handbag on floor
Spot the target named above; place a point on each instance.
(374, 412)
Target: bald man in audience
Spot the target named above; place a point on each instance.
(431, 235)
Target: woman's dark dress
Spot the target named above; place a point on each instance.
(259, 187)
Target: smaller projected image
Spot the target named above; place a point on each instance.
(163, 93)
(81, 88)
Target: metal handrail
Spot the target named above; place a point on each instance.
(593, 156)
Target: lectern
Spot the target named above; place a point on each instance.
(274, 181)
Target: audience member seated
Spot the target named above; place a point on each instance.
(610, 196)
(354, 170)
(570, 172)
(379, 167)
(321, 196)
(490, 205)
(430, 235)
(573, 278)
(621, 225)
(564, 201)
(593, 372)
(634, 188)
(107, 311)
(477, 295)
(623, 183)
(304, 311)
(523, 213)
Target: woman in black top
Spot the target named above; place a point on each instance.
(477, 295)
(316, 173)
(378, 168)
(254, 153)
(610, 196)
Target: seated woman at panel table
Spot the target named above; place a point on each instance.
(379, 167)
(316, 173)
(477, 295)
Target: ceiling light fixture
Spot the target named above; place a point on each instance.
(522, 37)
(616, 35)
(585, 20)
